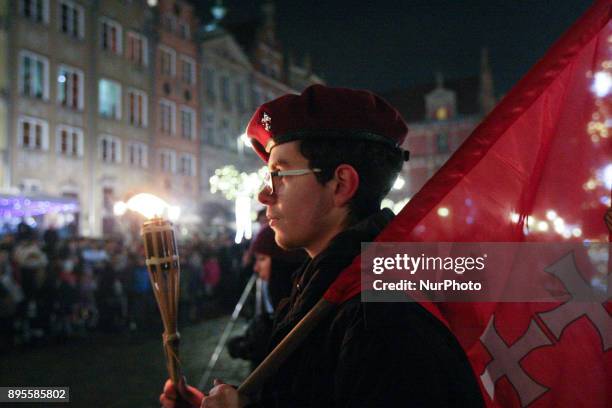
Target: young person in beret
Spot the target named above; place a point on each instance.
(333, 154)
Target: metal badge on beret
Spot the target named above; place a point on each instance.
(266, 121)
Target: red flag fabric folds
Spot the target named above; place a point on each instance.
(538, 168)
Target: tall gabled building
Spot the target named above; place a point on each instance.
(121, 90)
(440, 117)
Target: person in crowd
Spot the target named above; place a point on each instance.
(274, 266)
(32, 263)
(11, 297)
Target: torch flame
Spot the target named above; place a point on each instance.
(148, 205)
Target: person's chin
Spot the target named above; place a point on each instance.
(282, 241)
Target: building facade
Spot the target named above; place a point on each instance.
(101, 100)
(75, 69)
(78, 103)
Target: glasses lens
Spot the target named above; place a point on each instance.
(268, 181)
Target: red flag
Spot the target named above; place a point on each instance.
(538, 168)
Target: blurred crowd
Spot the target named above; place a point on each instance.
(54, 289)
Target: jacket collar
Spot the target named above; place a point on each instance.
(315, 276)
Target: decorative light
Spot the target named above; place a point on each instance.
(443, 212)
(246, 140)
(231, 183)
(590, 185)
(531, 221)
(243, 218)
(577, 232)
(551, 215)
(61, 78)
(597, 129)
(559, 225)
(602, 84)
(542, 226)
(19, 206)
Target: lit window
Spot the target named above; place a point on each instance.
(33, 75)
(33, 133)
(35, 10)
(167, 60)
(137, 47)
(109, 99)
(72, 21)
(137, 154)
(110, 149)
(442, 113)
(70, 89)
(111, 36)
(187, 123)
(69, 141)
(167, 117)
(137, 108)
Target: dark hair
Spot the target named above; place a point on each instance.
(377, 165)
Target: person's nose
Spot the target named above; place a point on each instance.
(266, 196)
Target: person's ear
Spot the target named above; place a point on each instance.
(346, 184)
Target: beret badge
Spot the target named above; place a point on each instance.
(266, 121)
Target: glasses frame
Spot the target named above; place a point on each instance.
(268, 178)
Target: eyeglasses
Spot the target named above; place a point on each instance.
(269, 176)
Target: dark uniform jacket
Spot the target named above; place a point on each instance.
(365, 354)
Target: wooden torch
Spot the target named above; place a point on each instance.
(162, 262)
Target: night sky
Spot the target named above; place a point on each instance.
(384, 45)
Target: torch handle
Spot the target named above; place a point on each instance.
(171, 349)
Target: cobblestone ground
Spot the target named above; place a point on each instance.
(121, 370)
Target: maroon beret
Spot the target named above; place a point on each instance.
(325, 112)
